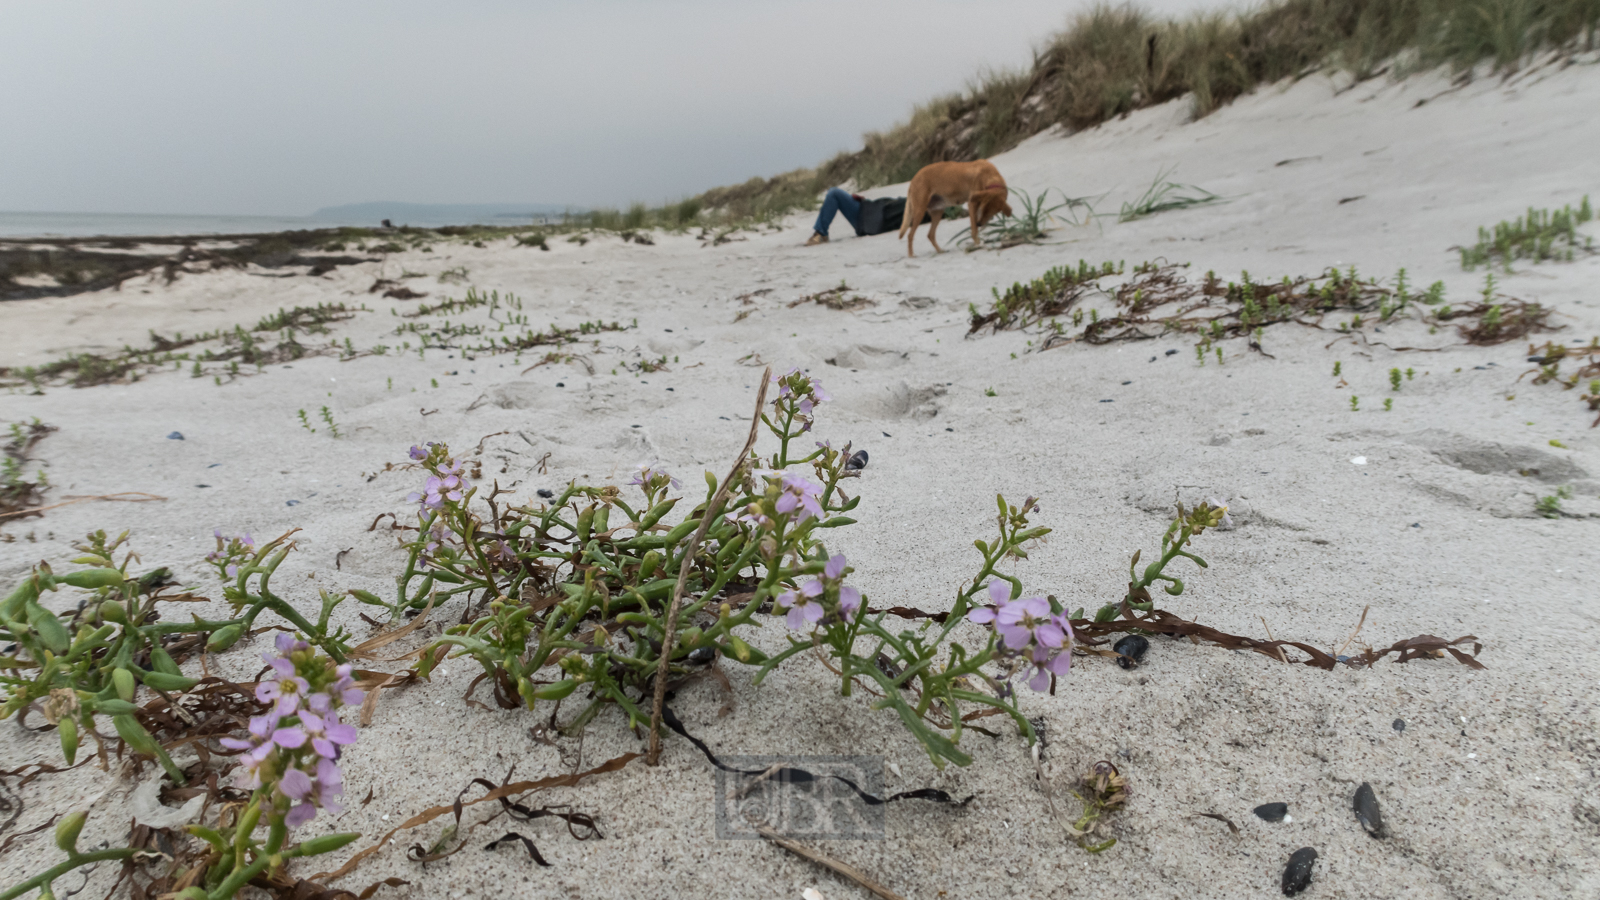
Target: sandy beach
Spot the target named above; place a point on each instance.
(1423, 515)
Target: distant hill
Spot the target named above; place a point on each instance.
(442, 213)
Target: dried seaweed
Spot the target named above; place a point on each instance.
(504, 790)
(793, 775)
(1216, 310)
(838, 298)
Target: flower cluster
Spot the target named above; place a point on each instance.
(653, 480)
(1031, 629)
(445, 485)
(798, 396)
(230, 552)
(820, 596)
(787, 494)
(293, 750)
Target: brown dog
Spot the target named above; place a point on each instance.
(937, 185)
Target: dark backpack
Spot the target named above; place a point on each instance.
(878, 216)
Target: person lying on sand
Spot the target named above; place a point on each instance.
(867, 217)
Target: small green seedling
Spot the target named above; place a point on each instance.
(1355, 403)
(327, 416)
(988, 392)
(1337, 365)
(1394, 379)
(1550, 506)
(305, 422)
(1410, 374)
(1388, 404)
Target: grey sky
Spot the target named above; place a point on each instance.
(281, 108)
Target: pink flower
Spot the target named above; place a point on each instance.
(1000, 594)
(1028, 620)
(802, 605)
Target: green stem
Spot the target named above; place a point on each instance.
(60, 869)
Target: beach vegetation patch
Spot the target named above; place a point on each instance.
(1540, 235)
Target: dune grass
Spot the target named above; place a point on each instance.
(1114, 59)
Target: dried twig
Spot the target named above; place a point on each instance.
(653, 757)
(125, 496)
(806, 853)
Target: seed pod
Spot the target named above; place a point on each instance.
(68, 730)
(1130, 651)
(602, 518)
(114, 611)
(161, 661)
(652, 561)
(67, 832)
(1297, 875)
(556, 691)
(91, 578)
(1365, 805)
(114, 707)
(325, 844)
(122, 679)
(51, 631)
(161, 681)
(223, 638)
(585, 525)
(135, 736)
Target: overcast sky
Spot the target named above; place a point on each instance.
(281, 108)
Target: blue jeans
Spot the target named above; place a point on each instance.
(838, 200)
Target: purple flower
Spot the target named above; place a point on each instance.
(1000, 593)
(802, 605)
(417, 453)
(800, 493)
(327, 735)
(1028, 619)
(648, 473)
(1046, 664)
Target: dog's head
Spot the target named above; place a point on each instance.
(992, 203)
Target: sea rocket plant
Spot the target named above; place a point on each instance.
(230, 552)
(820, 596)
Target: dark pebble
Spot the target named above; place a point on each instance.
(702, 655)
(1297, 875)
(1272, 812)
(1367, 813)
(1170, 352)
(857, 461)
(1108, 401)
(292, 503)
(1399, 724)
(545, 493)
(1127, 382)
(1130, 651)
(175, 436)
(558, 384)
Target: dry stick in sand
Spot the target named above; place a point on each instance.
(125, 496)
(1264, 624)
(848, 871)
(654, 756)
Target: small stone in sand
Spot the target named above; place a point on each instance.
(175, 436)
(1399, 724)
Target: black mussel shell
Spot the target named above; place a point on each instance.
(1272, 812)
(1297, 874)
(545, 493)
(1130, 650)
(1367, 812)
(857, 461)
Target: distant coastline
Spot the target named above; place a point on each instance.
(363, 215)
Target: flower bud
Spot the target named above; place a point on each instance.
(67, 832)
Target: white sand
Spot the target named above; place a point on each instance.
(1490, 790)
